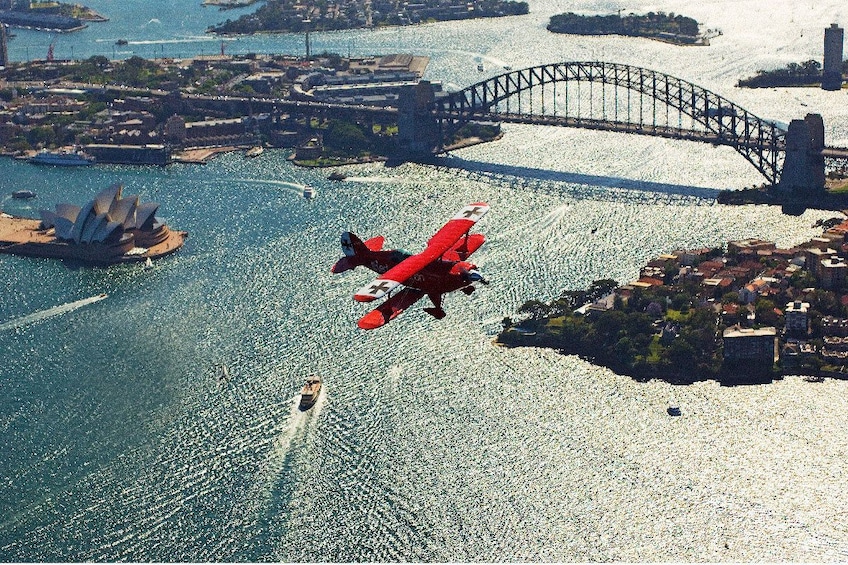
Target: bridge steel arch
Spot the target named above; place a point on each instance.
(631, 100)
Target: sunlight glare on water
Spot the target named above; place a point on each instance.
(428, 443)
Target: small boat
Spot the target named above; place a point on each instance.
(308, 192)
(337, 175)
(254, 151)
(673, 411)
(224, 375)
(309, 393)
(23, 194)
(148, 264)
(121, 42)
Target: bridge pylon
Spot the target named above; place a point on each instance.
(803, 168)
(418, 131)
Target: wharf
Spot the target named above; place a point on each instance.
(200, 156)
(22, 236)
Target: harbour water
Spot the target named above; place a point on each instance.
(121, 442)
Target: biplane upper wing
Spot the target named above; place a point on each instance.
(390, 309)
(442, 241)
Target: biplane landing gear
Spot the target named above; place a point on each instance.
(437, 313)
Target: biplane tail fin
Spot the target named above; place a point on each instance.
(353, 246)
(356, 251)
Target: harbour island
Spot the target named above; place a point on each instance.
(749, 313)
(670, 28)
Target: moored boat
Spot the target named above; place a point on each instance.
(62, 158)
(337, 175)
(309, 393)
(255, 151)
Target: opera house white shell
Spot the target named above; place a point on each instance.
(109, 219)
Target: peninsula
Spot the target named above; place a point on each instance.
(143, 111)
(49, 16)
(289, 16)
(807, 73)
(747, 313)
(109, 229)
(664, 27)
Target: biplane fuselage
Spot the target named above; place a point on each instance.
(438, 277)
(440, 268)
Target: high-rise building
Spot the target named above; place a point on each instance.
(832, 72)
(4, 51)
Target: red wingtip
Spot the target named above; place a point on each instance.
(372, 320)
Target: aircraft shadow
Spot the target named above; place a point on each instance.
(495, 171)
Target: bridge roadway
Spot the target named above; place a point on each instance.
(610, 125)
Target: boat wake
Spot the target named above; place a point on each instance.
(375, 179)
(50, 312)
(293, 186)
(294, 428)
(198, 39)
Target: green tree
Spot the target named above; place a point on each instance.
(345, 137)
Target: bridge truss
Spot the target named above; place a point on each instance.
(613, 97)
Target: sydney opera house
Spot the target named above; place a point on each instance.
(109, 229)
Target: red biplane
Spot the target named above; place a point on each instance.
(442, 267)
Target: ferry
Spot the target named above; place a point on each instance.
(308, 192)
(309, 393)
(62, 158)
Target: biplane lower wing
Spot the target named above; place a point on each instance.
(441, 242)
(390, 309)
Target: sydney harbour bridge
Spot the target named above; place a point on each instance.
(600, 96)
(623, 98)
